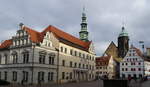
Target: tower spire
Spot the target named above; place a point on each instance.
(84, 33)
(123, 43)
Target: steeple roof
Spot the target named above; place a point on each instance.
(123, 32)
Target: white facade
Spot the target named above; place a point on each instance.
(106, 67)
(147, 67)
(49, 61)
(132, 65)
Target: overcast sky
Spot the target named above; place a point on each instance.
(105, 18)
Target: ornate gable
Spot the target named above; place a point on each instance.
(50, 40)
(91, 48)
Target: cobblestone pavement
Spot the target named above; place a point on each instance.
(98, 83)
(146, 84)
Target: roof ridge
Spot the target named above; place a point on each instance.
(63, 32)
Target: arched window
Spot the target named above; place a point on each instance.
(51, 58)
(25, 55)
(42, 56)
(14, 57)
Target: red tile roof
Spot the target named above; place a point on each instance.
(37, 37)
(6, 44)
(66, 36)
(138, 51)
(102, 61)
(34, 35)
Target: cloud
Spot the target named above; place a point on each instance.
(105, 18)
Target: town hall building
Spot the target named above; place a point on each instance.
(50, 56)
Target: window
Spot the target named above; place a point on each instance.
(49, 44)
(63, 62)
(90, 57)
(5, 75)
(51, 59)
(83, 66)
(126, 63)
(50, 76)
(25, 76)
(25, 57)
(70, 63)
(71, 51)
(87, 56)
(40, 76)
(97, 67)
(75, 53)
(70, 75)
(122, 64)
(65, 50)
(42, 59)
(93, 58)
(139, 69)
(83, 55)
(15, 58)
(90, 67)
(79, 65)
(122, 69)
(63, 75)
(129, 54)
(86, 66)
(133, 54)
(79, 54)
(126, 69)
(139, 63)
(61, 49)
(14, 76)
(75, 65)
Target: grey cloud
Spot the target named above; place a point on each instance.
(105, 18)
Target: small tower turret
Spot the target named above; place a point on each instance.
(84, 33)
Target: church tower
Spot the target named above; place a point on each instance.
(123, 43)
(84, 33)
